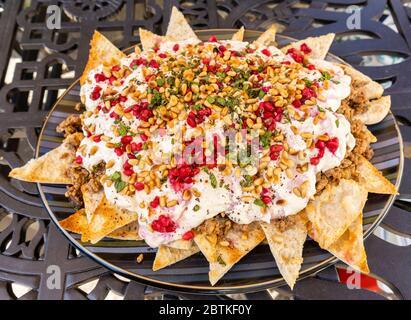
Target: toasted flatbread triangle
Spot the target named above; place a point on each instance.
(376, 112)
(286, 244)
(363, 86)
(91, 200)
(101, 51)
(349, 248)
(319, 45)
(374, 181)
(178, 27)
(105, 220)
(181, 244)
(148, 39)
(239, 35)
(77, 223)
(52, 166)
(223, 258)
(333, 211)
(167, 256)
(267, 37)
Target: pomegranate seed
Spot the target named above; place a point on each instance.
(97, 138)
(115, 68)
(332, 144)
(156, 201)
(143, 137)
(128, 172)
(136, 147)
(265, 89)
(266, 52)
(96, 93)
(222, 48)
(314, 160)
(139, 186)
(176, 47)
(320, 144)
(266, 199)
(154, 64)
(212, 39)
(188, 235)
(276, 148)
(162, 55)
(163, 224)
(205, 61)
(99, 77)
(296, 103)
(79, 160)
(311, 67)
(305, 48)
(118, 152)
(126, 140)
(191, 122)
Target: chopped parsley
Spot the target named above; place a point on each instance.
(213, 180)
(221, 261)
(119, 184)
(260, 203)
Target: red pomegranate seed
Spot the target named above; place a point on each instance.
(136, 147)
(296, 103)
(139, 186)
(154, 64)
(96, 93)
(115, 68)
(266, 199)
(191, 122)
(97, 138)
(143, 137)
(311, 67)
(276, 148)
(79, 160)
(119, 152)
(99, 77)
(128, 172)
(156, 201)
(222, 48)
(314, 161)
(305, 48)
(188, 235)
(320, 144)
(126, 140)
(212, 39)
(163, 224)
(176, 47)
(332, 144)
(266, 52)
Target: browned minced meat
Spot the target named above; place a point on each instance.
(81, 176)
(348, 167)
(70, 125)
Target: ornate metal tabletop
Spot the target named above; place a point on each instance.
(44, 48)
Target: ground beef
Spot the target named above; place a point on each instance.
(79, 176)
(70, 125)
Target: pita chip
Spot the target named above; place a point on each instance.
(349, 248)
(106, 219)
(52, 166)
(166, 256)
(268, 37)
(333, 211)
(178, 27)
(181, 244)
(373, 179)
(101, 51)
(286, 238)
(319, 46)
(223, 257)
(376, 112)
(148, 39)
(91, 200)
(239, 35)
(363, 86)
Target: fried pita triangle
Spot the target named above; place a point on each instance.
(181, 244)
(77, 223)
(374, 181)
(376, 112)
(51, 167)
(286, 238)
(333, 211)
(149, 40)
(267, 37)
(107, 218)
(319, 46)
(364, 88)
(349, 248)
(223, 257)
(178, 28)
(102, 51)
(239, 35)
(167, 256)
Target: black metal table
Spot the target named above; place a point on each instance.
(36, 63)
